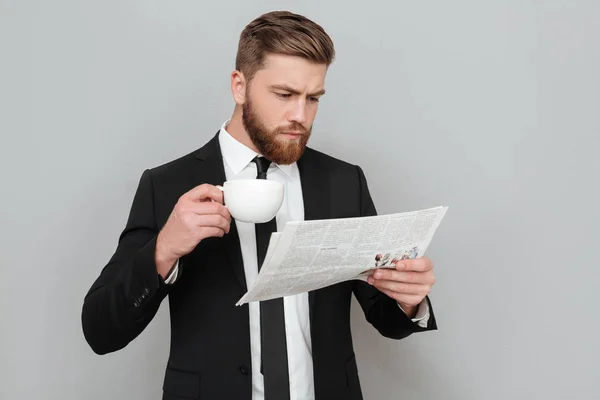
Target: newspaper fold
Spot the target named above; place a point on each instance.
(309, 255)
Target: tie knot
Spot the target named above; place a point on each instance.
(262, 165)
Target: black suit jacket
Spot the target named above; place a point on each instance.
(210, 338)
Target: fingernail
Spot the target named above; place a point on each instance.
(377, 274)
(370, 280)
(401, 266)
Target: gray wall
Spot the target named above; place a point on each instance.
(490, 108)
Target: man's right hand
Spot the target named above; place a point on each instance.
(198, 214)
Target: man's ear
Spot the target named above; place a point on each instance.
(238, 87)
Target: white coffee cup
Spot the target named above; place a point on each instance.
(252, 200)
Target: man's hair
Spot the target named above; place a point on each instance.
(282, 32)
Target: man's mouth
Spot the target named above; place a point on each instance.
(292, 135)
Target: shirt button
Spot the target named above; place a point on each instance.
(243, 370)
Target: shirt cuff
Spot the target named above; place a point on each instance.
(173, 274)
(422, 316)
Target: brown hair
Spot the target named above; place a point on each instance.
(282, 32)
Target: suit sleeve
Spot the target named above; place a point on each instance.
(127, 294)
(380, 310)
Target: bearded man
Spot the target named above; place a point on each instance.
(180, 241)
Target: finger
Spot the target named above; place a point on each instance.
(403, 288)
(213, 221)
(404, 276)
(403, 298)
(209, 231)
(205, 192)
(422, 264)
(208, 208)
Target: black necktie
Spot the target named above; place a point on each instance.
(274, 363)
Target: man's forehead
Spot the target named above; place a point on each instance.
(292, 71)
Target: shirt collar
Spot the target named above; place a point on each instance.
(238, 155)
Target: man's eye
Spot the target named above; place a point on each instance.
(314, 99)
(284, 95)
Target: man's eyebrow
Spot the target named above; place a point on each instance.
(294, 91)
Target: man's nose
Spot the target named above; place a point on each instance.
(298, 114)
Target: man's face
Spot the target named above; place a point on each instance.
(281, 104)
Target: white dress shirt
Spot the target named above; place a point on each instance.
(238, 165)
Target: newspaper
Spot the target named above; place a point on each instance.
(309, 255)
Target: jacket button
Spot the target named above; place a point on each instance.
(136, 304)
(243, 370)
(146, 291)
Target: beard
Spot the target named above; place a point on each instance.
(268, 143)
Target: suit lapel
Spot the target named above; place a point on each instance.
(316, 197)
(210, 169)
(315, 187)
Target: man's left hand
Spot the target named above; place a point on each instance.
(409, 283)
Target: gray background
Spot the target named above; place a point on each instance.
(490, 108)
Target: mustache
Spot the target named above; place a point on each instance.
(294, 127)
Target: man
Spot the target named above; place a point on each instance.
(180, 241)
